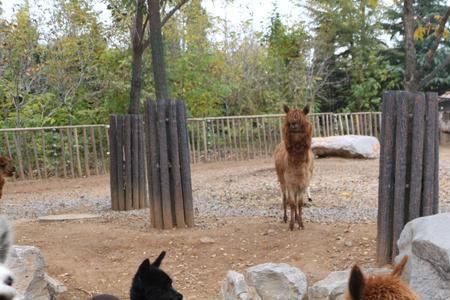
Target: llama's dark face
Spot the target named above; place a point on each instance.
(151, 283)
(296, 120)
(6, 166)
(297, 127)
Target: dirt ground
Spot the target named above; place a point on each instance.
(101, 255)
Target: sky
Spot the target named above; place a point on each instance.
(236, 12)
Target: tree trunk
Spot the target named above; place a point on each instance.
(136, 82)
(156, 43)
(137, 40)
(410, 82)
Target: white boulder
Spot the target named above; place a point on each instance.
(348, 146)
(426, 241)
(266, 282)
(334, 286)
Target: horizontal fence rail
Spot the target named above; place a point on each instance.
(82, 150)
(252, 137)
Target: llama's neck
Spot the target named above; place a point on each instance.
(298, 152)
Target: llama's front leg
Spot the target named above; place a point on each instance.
(308, 194)
(285, 218)
(2, 182)
(293, 213)
(300, 213)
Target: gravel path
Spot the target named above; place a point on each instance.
(342, 190)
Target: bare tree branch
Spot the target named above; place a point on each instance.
(435, 71)
(437, 39)
(172, 11)
(144, 26)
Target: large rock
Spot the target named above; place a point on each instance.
(427, 243)
(334, 286)
(348, 146)
(234, 287)
(31, 282)
(266, 282)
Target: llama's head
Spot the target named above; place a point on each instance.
(150, 282)
(7, 292)
(297, 129)
(389, 286)
(6, 166)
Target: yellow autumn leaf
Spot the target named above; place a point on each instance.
(446, 34)
(346, 194)
(438, 18)
(419, 33)
(373, 3)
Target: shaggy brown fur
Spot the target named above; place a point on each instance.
(386, 287)
(6, 170)
(294, 162)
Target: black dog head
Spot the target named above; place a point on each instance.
(152, 283)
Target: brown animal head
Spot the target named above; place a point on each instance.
(297, 130)
(380, 287)
(6, 166)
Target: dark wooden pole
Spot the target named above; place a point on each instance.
(386, 181)
(177, 193)
(429, 155)
(114, 180)
(185, 168)
(154, 187)
(164, 165)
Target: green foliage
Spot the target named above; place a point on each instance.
(74, 69)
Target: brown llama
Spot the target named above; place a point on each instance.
(294, 162)
(6, 170)
(387, 287)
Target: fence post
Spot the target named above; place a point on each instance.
(408, 186)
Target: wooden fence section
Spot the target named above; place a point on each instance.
(250, 137)
(169, 175)
(62, 151)
(79, 151)
(409, 159)
(127, 163)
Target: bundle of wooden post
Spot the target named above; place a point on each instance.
(169, 175)
(127, 167)
(409, 165)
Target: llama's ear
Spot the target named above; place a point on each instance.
(285, 108)
(5, 239)
(398, 270)
(158, 261)
(356, 283)
(306, 109)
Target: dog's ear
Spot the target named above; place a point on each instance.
(286, 108)
(144, 267)
(306, 109)
(356, 283)
(2, 161)
(158, 261)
